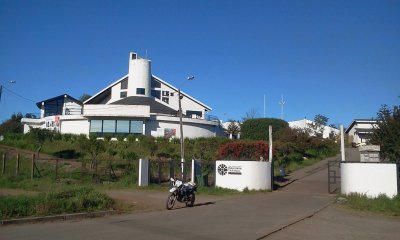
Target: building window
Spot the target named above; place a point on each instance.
(123, 94)
(109, 126)
(54, 107)
(194, 114)
(155, 93)
(171, 94)
(136, 127)
(155, 84)
(141, 91)
(165, 99)
(165, 93)
(122, 126)
(96, 126)
(124, 84)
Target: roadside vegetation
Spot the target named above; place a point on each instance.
(381, 204)
(73, 200)
(87, 164)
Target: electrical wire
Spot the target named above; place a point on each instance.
(18, 95)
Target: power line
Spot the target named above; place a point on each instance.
(18, 95)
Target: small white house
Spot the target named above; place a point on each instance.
(360, 131)
(305, 124)
(137, 103)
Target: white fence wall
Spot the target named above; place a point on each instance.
(371, 179)
(239, 175)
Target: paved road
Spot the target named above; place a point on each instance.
(300, 208)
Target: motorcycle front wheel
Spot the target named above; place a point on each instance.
(171, 201)
(191, 199)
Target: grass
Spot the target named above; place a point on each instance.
(381, 204)
(74, 200)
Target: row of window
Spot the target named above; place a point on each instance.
(116, 126)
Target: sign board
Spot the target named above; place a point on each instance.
(238, 175)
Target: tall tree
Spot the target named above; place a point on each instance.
(387, 132)
(319, 124)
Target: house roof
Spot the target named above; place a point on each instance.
(356, 121)
(155, 107)
(39, 104)
(102, 94)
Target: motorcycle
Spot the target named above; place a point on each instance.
(181, 192)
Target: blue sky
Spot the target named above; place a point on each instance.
(337, 58)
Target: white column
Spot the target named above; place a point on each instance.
(270, 143)
(342, 143)
(143, 172)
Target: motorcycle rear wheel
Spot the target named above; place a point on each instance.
(190, 202)
(171, 201)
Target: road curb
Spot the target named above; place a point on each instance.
(57, 217)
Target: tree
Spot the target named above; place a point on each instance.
(257, 129)
(12, 125)
(233, 128)
(84, 97)
(387, 132)
(251, 114)
(319, 124)
(38, 136)
(92, 147)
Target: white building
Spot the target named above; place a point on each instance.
(360, 131)
(137, 103)
(305, 124)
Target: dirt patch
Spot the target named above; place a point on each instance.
(149, 200)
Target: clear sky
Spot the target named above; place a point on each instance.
(336, 58)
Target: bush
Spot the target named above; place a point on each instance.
(244, 150)
(257, 129)
(67, 201)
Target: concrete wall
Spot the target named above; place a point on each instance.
(192, 128)
(371, 179)
(239, 175)
(75, 126)
(95, 110)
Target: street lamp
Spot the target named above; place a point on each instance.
(183, 168)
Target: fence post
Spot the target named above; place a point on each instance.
(159, 171)
(143, 172)
(17, 165)
(56, 169)
(33, 166)
(3, 171)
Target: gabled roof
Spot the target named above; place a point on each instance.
(183, 93)
(108, 88)
(356, 121)
(39, 104)
(105, 89)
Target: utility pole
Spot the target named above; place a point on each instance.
(282, 103)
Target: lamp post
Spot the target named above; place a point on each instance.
(183, 167)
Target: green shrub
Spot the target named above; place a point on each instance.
(258, 129)
(244, 150)
(67, 201)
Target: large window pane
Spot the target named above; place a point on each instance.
(95, 126)
(122, 126)
(137, 127)
(109, 126)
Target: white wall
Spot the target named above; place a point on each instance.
(72, 126)
(239, 175)
(371, 179)
(73, 107)
(114, 110)
(192, 128)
